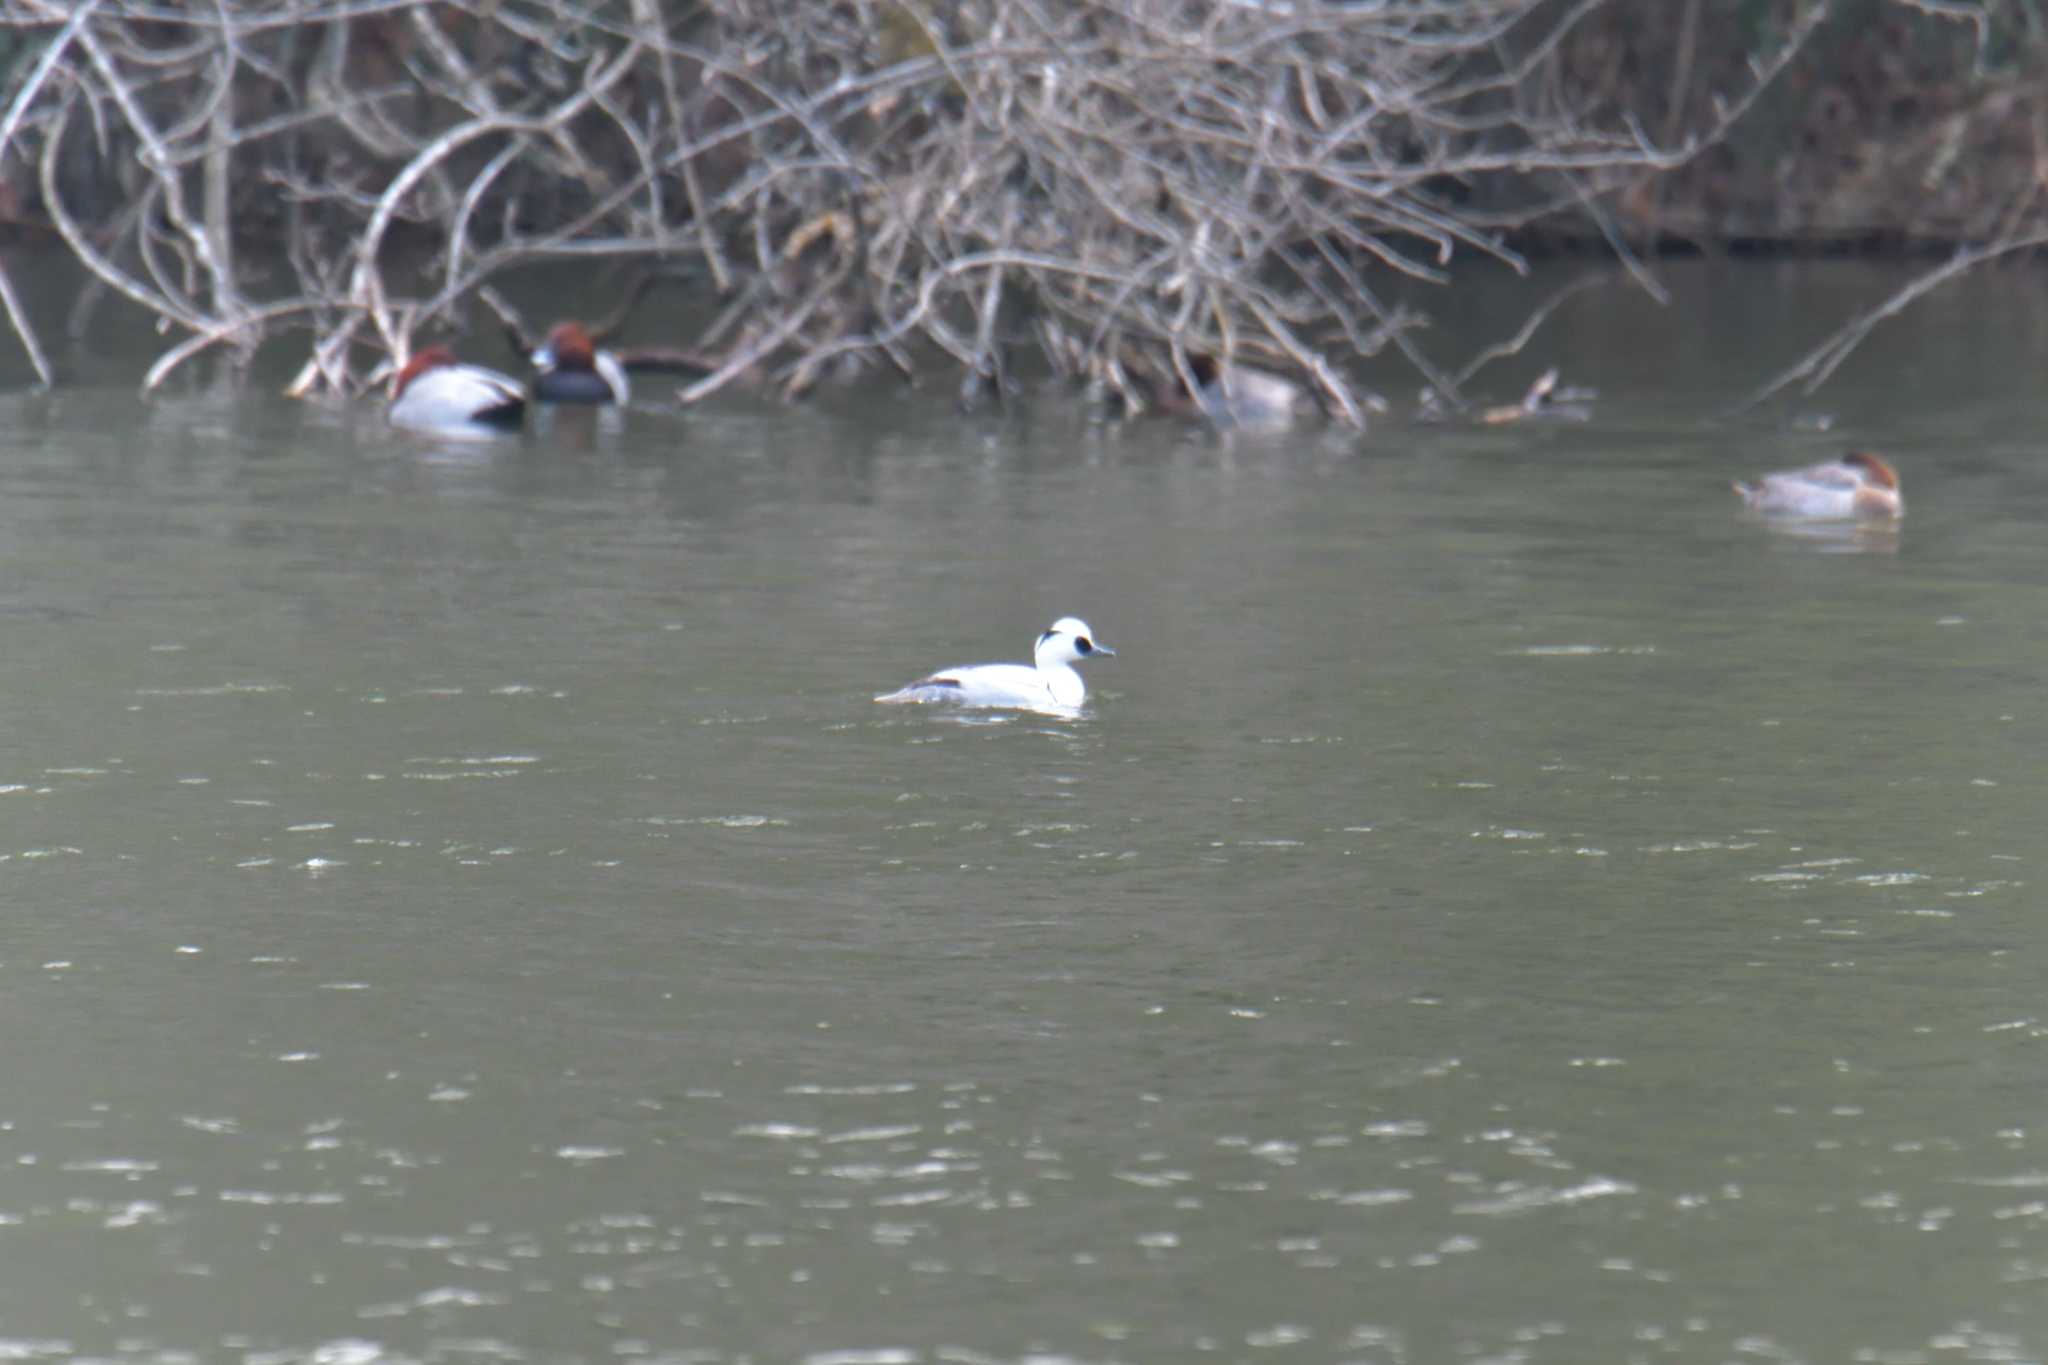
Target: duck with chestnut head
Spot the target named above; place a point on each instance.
(435, 391)
(571, 369)
(1858, 485)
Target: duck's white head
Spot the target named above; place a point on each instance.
(1065, 641)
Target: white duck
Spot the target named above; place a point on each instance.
(1857, 485)
(1049, 683)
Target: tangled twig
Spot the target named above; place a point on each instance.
(1144, 188)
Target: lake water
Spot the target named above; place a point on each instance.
(1501, 903)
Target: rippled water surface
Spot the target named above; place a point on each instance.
(1501, 904)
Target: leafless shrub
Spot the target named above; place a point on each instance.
(1151, 192)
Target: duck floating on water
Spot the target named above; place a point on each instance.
(1049, 683)
(1234, 396)
(434, 390)
(571, 369)
(1859, 484)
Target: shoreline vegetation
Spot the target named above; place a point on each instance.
(1169, 202)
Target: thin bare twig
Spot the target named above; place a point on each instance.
(1500, 350)
(1822, 361)
(17, 316)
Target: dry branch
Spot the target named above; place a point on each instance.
(1142, 190)
(1823, 360)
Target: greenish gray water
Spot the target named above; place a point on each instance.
(1501, 903)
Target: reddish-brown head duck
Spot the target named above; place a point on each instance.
(434, 389)
(573, 370)
(1859, 484)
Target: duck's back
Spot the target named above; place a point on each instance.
(573, 386)
(456, 394)
(1018, 685)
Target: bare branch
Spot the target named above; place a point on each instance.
(17, 316)
(1500, 350)
(1823, 360)
(1141, 189)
